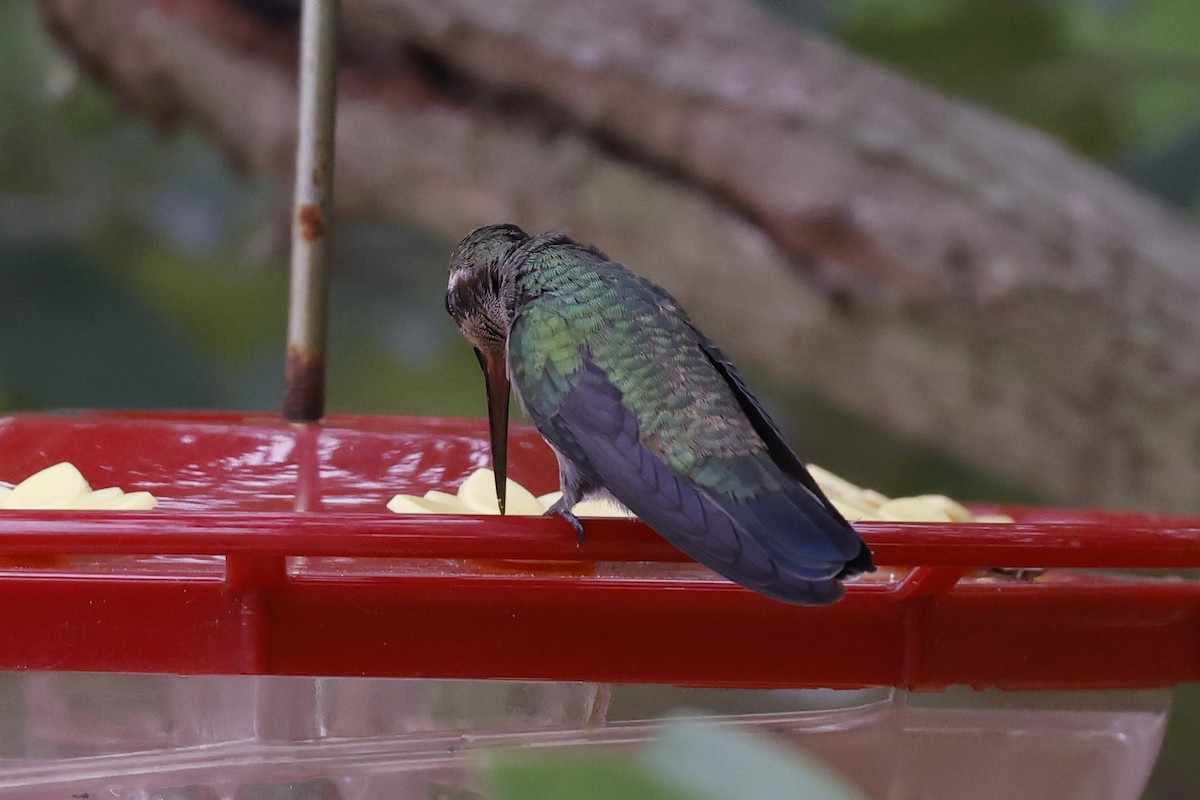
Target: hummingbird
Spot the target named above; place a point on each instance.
(640, 406)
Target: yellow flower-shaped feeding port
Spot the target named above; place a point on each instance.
(477, 495)
(62, 487)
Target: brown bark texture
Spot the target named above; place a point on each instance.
(956, 277)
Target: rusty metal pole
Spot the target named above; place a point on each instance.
(304, 397)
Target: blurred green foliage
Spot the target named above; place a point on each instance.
(138, 271)
(1117, 80)
(689, 760)
(155, 238)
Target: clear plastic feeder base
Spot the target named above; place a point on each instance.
(158, 737)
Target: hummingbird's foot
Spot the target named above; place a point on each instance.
(563, 510)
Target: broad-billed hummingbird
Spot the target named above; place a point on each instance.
(638, 404)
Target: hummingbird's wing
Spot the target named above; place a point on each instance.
(599, 433)
(780, 452)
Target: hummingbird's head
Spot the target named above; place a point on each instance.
(475, 295)
(479, 299)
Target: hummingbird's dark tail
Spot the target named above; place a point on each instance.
(810, 549)
(805, 593)
(859, 564)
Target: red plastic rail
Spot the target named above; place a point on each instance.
(271, 552)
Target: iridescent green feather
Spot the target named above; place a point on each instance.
(572, 304)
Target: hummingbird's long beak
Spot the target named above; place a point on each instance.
(495, 373)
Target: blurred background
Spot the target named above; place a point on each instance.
(138, 269)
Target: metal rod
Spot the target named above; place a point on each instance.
(304, 397)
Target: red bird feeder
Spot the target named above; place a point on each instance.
(271, 554)
(272, 631)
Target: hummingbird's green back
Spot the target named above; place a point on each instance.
(573, 304)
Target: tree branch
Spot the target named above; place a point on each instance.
(954, 276)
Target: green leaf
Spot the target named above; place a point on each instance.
(723, 762)
(515, 776)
